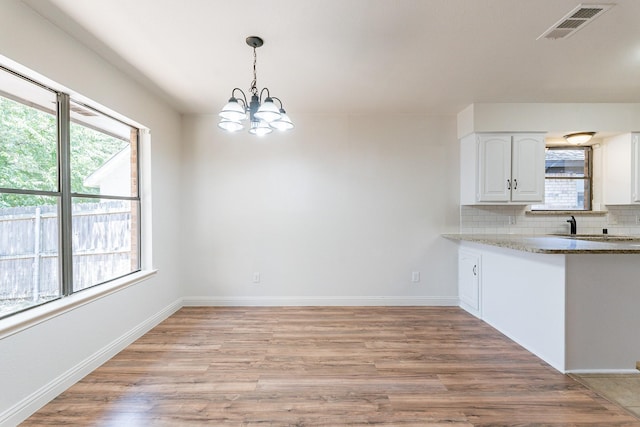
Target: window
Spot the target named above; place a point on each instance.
(568, 172)
(69, 199)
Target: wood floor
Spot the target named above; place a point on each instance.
(396, 366)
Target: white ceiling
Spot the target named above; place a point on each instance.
(361, 56)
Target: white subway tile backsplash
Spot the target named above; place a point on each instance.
(620, 220)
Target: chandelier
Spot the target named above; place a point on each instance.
(264, 116)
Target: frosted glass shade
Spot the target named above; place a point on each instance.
(283, 123)
(230, 125)
(233, 111)
(579, 138)
(268, 111)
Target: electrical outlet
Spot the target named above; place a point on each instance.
(256, 277)
(512, 220)
(637, 219)
(415, 276)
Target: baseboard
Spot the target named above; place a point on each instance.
(601, 371)
(317, 301)
(27, 406)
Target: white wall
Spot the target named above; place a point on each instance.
(339, 211)
(33, 361)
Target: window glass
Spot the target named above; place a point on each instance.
(28, 135)
(103, 154)
(105, 240)
(565, 163)
(47, 251)
(28, 252)
(566, 194)
(567, 179)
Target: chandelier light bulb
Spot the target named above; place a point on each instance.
(260, 128)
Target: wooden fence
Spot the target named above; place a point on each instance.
(29, 242)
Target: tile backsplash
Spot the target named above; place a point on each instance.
(619, 220)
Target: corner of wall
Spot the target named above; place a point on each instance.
(465, 121)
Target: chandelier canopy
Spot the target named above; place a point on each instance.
(264, 116)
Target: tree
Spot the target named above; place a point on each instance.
(28, 153)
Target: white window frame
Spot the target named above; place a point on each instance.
(69, 300)
(588, 203)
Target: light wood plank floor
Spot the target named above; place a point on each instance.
(396, 366)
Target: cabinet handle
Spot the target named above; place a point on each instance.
(515, 184)
(475, 270)
(508, 184)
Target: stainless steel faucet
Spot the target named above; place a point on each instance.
(574, 226)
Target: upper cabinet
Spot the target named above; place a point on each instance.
(502, 168)
(621, 163)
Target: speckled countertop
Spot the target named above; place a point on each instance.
(547, 244)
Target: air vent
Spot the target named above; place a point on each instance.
(575, 20)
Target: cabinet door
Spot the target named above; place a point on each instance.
(635, 168)
(527, 168)
(469, 281)
(494, 168)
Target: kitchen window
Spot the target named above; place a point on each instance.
(568, 179)
(69, 197)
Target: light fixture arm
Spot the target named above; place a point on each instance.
(262, 91)
(243, 99)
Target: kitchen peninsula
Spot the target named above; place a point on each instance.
(571, 301)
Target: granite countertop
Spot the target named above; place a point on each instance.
(550, 244)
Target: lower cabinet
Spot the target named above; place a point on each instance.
(469, 283)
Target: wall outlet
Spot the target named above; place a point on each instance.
(256, 277)
(415, 276)
(637, 219)
(512, 220)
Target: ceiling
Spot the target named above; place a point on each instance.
(361, 56)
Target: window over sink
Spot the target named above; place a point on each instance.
(568, 179)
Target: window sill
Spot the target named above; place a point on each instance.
(31, 317)
(564, 213)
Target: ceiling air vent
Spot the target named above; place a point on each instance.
(575, 20)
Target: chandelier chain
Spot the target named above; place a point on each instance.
(254, 83)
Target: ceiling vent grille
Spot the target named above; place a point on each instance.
(575, 20)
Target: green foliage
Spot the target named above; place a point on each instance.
(28, 153)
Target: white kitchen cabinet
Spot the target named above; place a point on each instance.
(469, 281)
(621, 163)
(502, 168)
